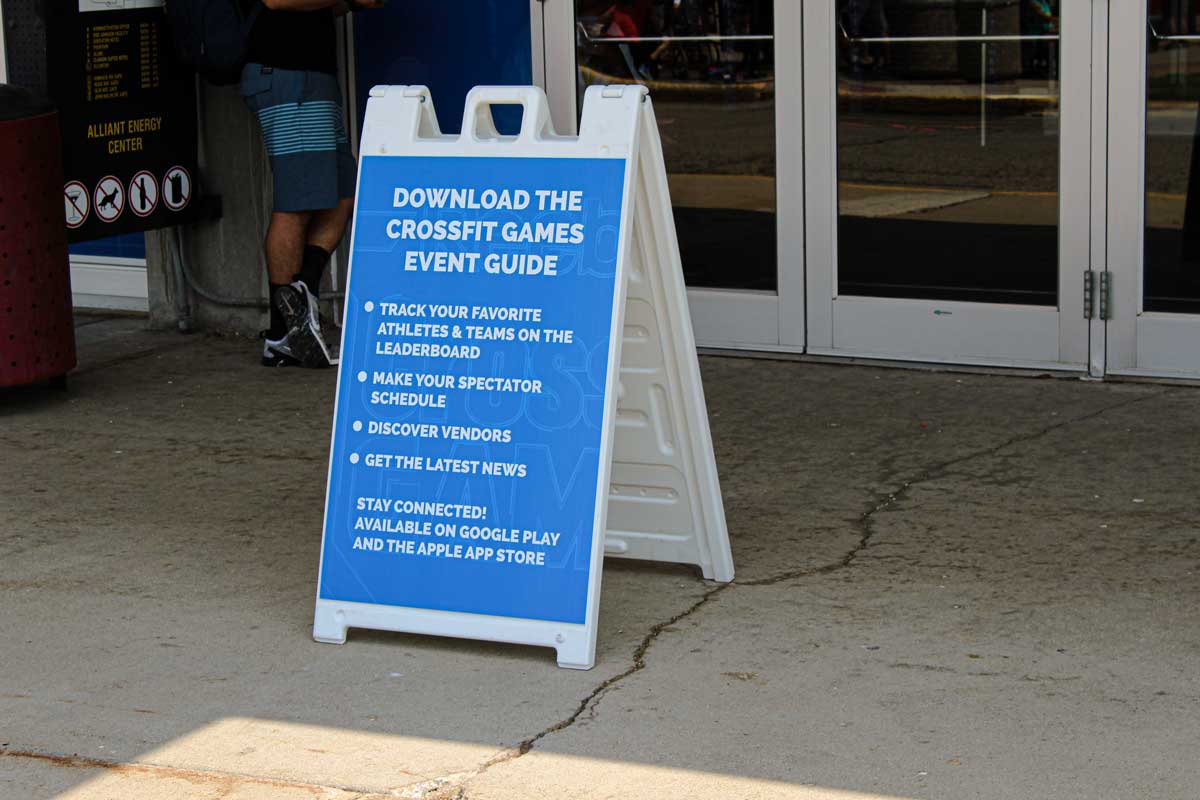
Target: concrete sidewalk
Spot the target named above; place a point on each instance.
(949, 586)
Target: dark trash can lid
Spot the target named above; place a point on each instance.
(18, 103)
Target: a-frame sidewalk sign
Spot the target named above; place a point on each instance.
(519, 393)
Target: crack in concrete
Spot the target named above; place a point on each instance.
(865, 522)
(454, 786)
(639, 663)
(457, 791)
(884, 501)
(445, 787)
(228, 781)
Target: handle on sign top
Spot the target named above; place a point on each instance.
(535, 121)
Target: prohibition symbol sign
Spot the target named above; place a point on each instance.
(143, 193)
(76, 203)
(177, 188)
(109, 198)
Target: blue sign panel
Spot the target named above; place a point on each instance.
(467, 434)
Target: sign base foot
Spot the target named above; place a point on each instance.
(575, 657)
(329, 627)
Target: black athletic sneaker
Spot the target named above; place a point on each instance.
(304, 341)
(277, 353)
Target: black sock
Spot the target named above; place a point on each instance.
(278, 325)
(313, 267)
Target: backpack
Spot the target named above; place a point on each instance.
(212, 36)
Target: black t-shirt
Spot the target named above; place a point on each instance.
(294, 40)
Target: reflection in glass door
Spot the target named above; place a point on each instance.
(725, 95)
(948, 150)
(959, 140)
(710, 65)
(1171, 250)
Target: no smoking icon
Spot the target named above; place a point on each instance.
(109, 198)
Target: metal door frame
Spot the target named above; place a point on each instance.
(1002, 335)
(1139, 343)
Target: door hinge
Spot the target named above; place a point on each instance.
(1106, 295)
(1097, 295)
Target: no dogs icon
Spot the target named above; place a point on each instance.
(109, 198)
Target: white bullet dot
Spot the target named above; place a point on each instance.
(368, 306)
(362, 376)
(357, 425)
(354, 458)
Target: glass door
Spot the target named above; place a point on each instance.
(1154, 189)
(948, 179)
(724, 78)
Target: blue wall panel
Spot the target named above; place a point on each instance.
(129, 245)
(448, 46)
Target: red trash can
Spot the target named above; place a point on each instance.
(37, 329)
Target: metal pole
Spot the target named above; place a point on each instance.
(3, 49)
(983, 71)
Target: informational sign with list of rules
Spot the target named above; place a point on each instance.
(127, 110)
(468, 430)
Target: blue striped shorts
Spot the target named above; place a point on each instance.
(300, 114)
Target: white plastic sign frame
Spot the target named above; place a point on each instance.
(657, 495)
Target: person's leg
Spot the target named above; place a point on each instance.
(284, 246)
(313, 173)
(327, 226)
(328, 223)
(295, 333)
(284, 249)
(325, 231)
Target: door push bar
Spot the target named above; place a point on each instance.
(636, 39)
(1159, 37)
(985, 39)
